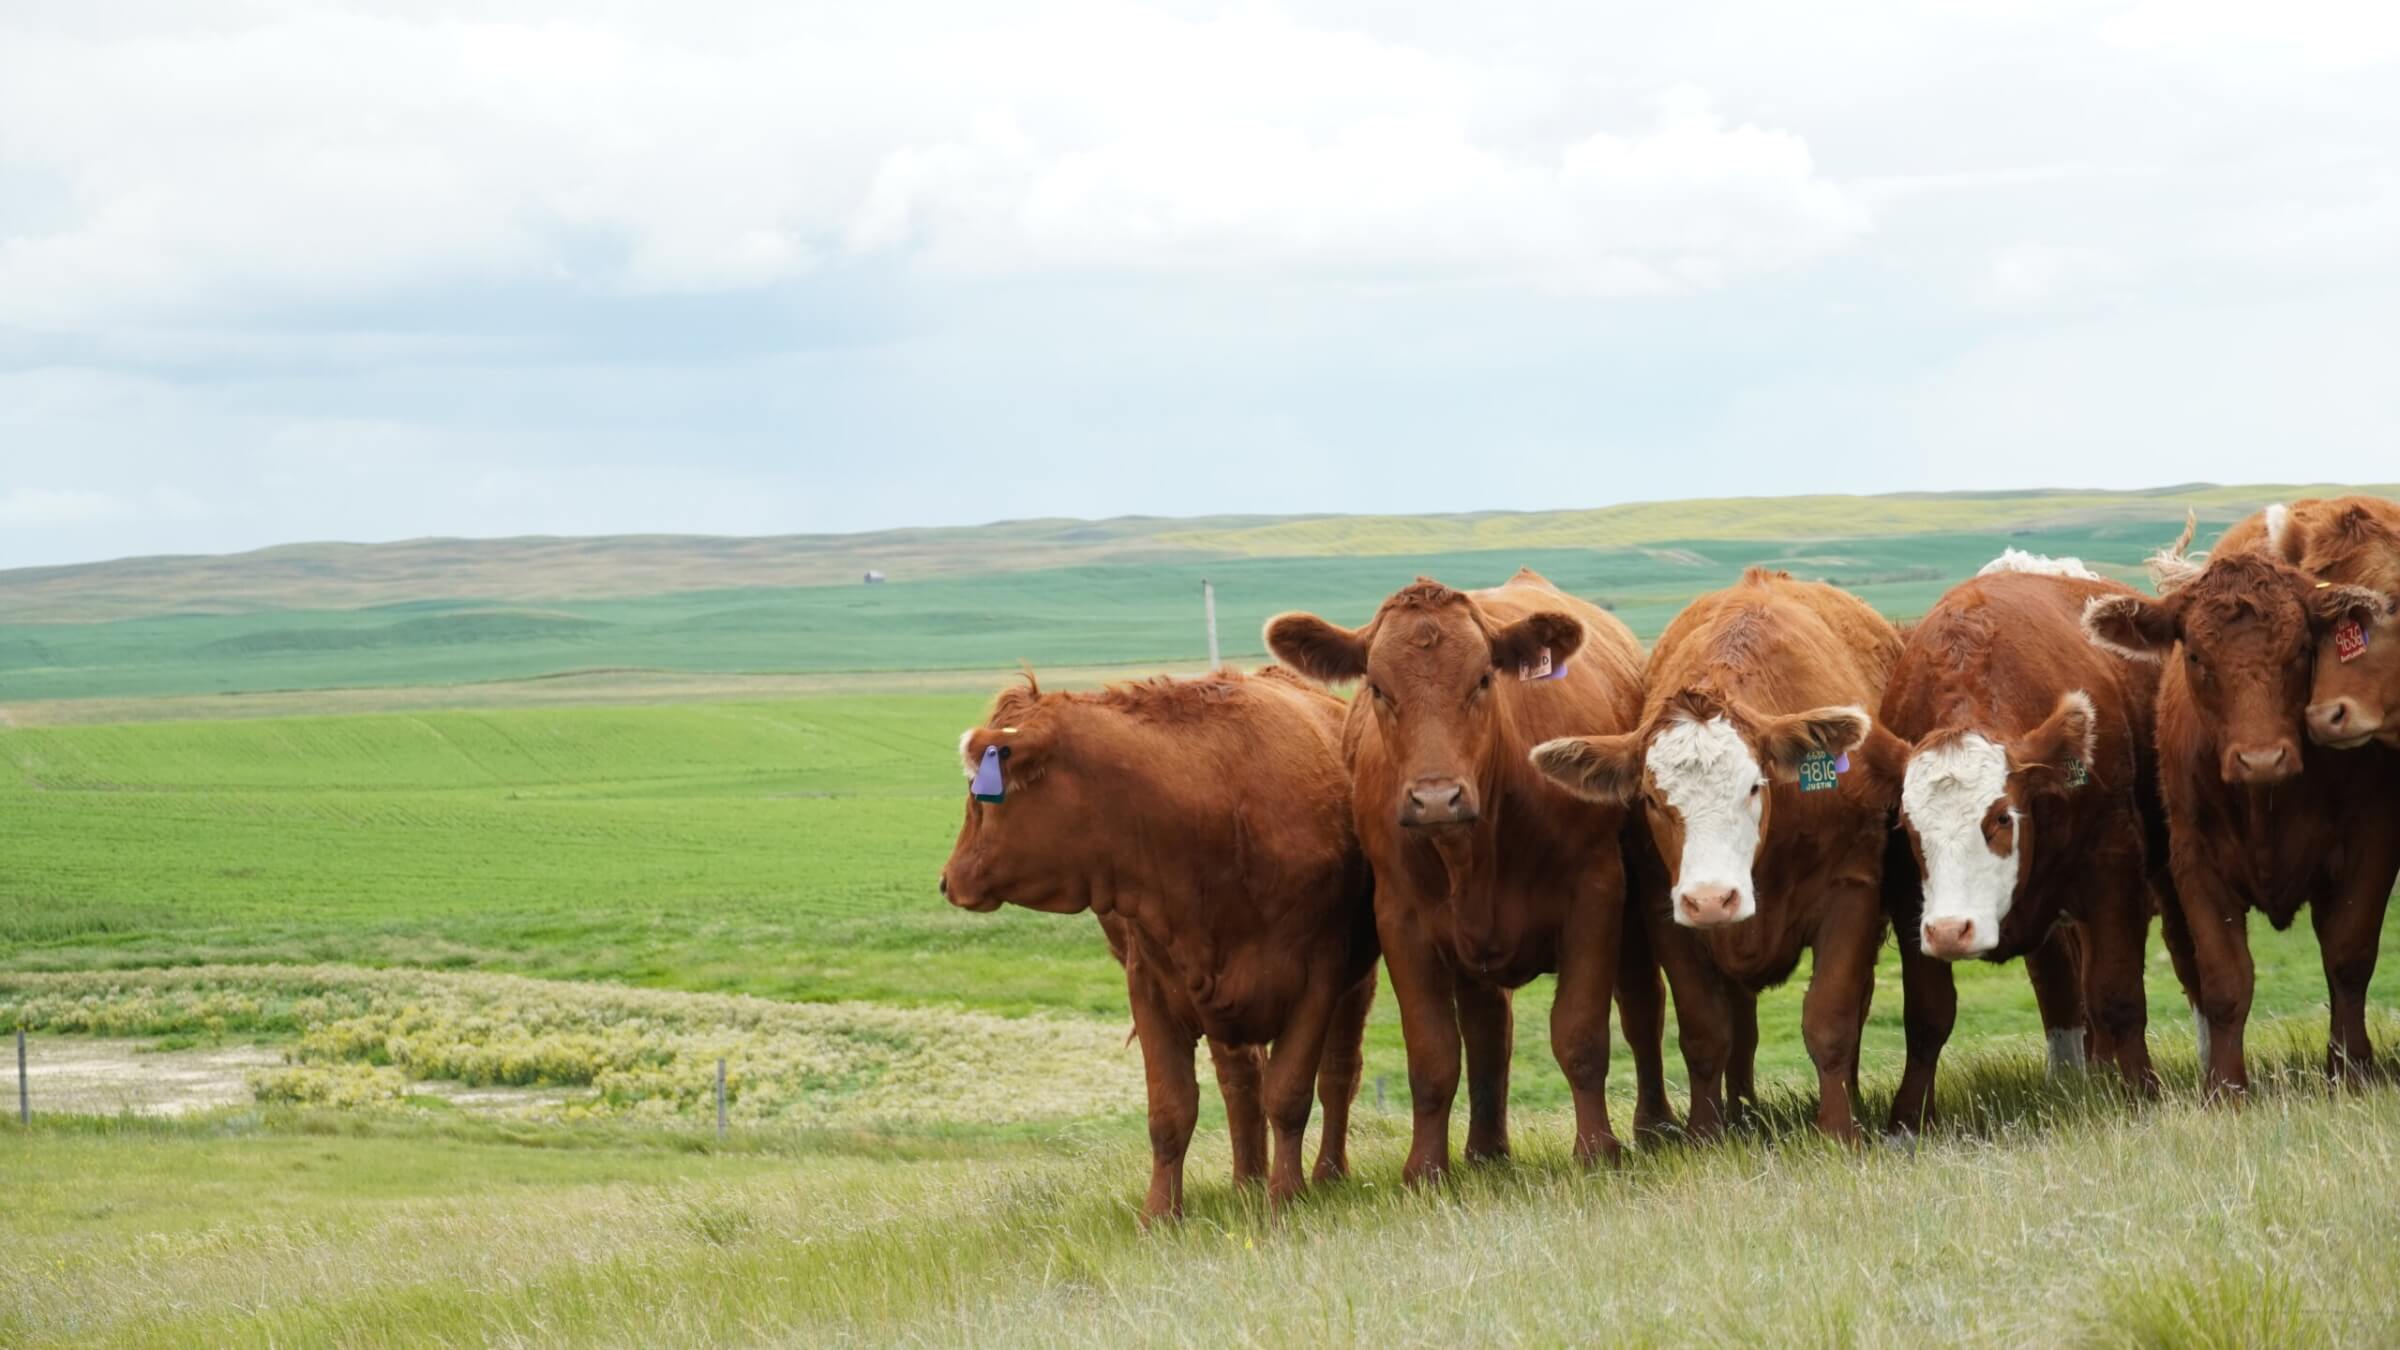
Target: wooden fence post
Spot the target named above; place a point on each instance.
(24, 1092)
(720, 1101)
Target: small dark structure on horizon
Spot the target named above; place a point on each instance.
(876, 578)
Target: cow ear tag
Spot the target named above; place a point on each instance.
(1542, 669)
(2078, 773)
(1821, 772)
(2350, 640)
(989, 784)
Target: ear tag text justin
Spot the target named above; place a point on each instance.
(989, 784)
(2078, 773)
(2350, 640)
(1821, 772)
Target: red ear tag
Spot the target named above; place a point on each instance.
(2350, 640)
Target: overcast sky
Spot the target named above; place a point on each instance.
(272, 272)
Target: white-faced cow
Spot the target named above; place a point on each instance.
(1769, 795)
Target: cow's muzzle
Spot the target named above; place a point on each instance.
(1438, 801)
(2343, 723)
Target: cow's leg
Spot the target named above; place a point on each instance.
(2117, 937)
(1174, 1095)
(1426, 990)
(1487, 1018)
(1588, 963)
(2055, 969)
(1238, 1071)
(1929, 1009)
(1704, 1022)
(1337, 1079)
(1291, 1083)
(1741, 1063)
(1641, 993)
(1834, 1010)
(2220, 932)
(2349, 924)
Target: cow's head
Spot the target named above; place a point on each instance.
(1010, 851)
(2247, 626)
(2356, 694)
(1701, 769)
(1427, 664)
(1966, 800)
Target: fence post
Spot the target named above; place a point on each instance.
(1208, 601)
(1379, 1092)
(24, 1092)
(720, 1101)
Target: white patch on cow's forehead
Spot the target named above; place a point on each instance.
(1688, 758)
(1966, 775)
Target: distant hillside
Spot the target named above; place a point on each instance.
(547, 570)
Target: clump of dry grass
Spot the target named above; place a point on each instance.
(360, 1035)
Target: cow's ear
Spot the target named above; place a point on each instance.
(1324, 652)
(2059, 751)
(1602, 768)
(2132, 626)
(1784, 742)
(1540, 641)
(1884, 754)
(2329, 605)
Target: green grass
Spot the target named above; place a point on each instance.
(1091, 614)
(2059, 1216)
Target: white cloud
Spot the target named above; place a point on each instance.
(315, 155)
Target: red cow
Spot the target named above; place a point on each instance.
(2260, 817)
(1773, 833)
(1487, 874)
(1207, 823)
(2030, 807)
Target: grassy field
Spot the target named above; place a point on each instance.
(2057, 1217)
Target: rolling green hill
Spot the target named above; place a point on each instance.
(1085, 615)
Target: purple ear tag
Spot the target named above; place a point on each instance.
(1842, 765)
(989, 785)
(1542, 669)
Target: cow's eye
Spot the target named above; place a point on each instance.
(1375, 692)
(1484, 683)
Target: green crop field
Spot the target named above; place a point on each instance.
(439, 992)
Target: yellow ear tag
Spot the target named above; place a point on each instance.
(2324, 585)
(1008, 731)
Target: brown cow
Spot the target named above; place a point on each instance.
(1486, 874)
(2349, 541)
(1207, 823)
(2030, 807)
(2261, 818)
(1765, 684)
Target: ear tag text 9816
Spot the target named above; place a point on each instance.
(989, 784)
(1821, 772)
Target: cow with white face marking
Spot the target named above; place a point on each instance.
(2030, 808)
(1768, 791)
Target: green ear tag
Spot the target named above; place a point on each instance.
(1821, 772)
(2077, 774)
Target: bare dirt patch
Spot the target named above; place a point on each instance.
(86, 1076)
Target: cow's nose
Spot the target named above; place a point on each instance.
(1950, 939)
(2261, 764)
(2341, 721)
(945, 885)
(1437, 801)
(1707, 906)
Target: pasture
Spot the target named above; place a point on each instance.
(476, 955)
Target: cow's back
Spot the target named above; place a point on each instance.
(1780, 644)
(1995, 653)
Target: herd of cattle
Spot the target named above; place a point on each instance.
(2032, 770)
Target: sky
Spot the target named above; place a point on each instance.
(274, 272)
